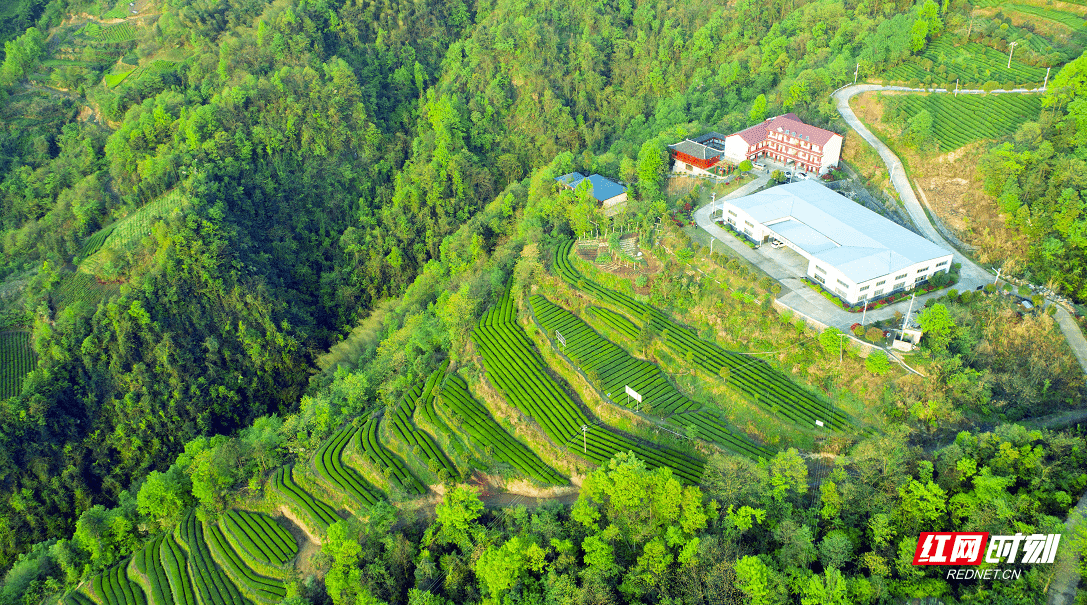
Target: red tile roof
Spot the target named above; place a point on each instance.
(787, 122)
(790, 122)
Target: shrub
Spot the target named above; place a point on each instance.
(952, 294)
(1024, 291)
(858, 330)
(1051, 310)
(990, 288)
(1038, 300)
(966, 297)
(930, 302)
(877, 363)
(641, 281)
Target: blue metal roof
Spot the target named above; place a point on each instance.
(601, 188)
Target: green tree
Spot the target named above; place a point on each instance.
(652, 162)
(758, 110)
(938, 326)
(164, 497)
(457, 513)
(877, 363)
(757, 581)
(746, 166)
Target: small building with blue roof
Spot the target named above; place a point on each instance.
(604, 190)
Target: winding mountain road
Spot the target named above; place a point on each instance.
(1064, 587)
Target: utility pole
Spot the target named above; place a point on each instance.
(997, 275)
(856, 73)
(1046, 83)
(906, 319)
(864, 311)
(584, 430)
(841, 347)
(1011, 49)
(956, 87)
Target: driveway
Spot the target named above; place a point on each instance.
(788, 268)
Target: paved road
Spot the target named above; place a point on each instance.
(901, 184)
(1063, 590)
(789, 268)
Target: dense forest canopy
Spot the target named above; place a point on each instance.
(329, 152)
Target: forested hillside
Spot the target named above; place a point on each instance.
(327, 151)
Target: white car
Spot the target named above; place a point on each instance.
(775, 243)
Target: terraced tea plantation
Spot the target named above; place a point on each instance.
(1073, 21)
(328, 462)
(520, 374)
(477, 423)
(616, 368)
(972, 63)
(81, 287)
(422, 397)
(130, 229)
(961, 119)
(763, 384)
(17, 359)
(389, 464)
(319, 513)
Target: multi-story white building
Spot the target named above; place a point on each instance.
(788, 140)
(852, 251)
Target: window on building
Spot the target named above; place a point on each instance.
(877, 292)
(925, 270)
(688, 167)
(900, 276)
(881, 282)
(941, 263)
(900, 285)
(821, 279)
(920, 279)
(839, 291)
(732, 212)
(862, 288)
(748, 223)
(843, 283)
(819, 269)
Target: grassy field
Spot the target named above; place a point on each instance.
(17, 358)
(972, 64)
(961, 119)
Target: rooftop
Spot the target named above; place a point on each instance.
(695, 150)
(601, 188)
(834, 229)
(786, 123)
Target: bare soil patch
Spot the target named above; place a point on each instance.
(950, 185)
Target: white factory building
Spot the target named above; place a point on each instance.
(851, 251)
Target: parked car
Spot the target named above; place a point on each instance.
(774, 243)
(803, 175)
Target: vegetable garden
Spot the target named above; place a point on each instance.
(961, 119)
(17, 359)
(320, 513)
(477, 423)
(330, 466)
(764, 384)
(519, 373)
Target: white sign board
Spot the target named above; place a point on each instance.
(818, 423)
(634, 394)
